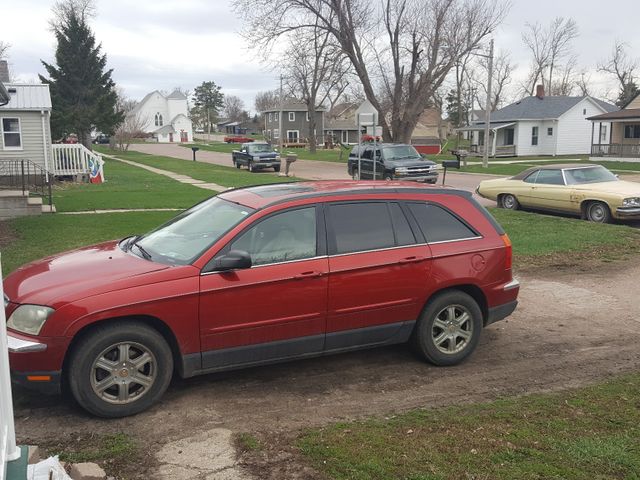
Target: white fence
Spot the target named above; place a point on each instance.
(8, 449)
(72, 159)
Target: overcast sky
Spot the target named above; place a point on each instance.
(161, 44)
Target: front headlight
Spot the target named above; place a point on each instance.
(631, 202)
(29, 318)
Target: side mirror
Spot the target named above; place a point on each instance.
(233, 260)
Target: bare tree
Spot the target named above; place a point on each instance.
(407, 46)
(623, 68)
(4, 49)
(233, 108)
(266, 100)
(313, 73)
(64, 9)
(133, 124)
(584, 83)
(502, 78)
(550, 47)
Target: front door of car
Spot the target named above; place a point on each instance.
(366, 163)
(550, 192)
(379, 274)
(277, 308)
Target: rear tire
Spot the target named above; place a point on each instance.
(598, 212)
(119, 369)
(448, 329)
(508, 201)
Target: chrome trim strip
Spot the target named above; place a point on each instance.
(511, 285)
(379, 250)
(17, 345)
(628, 211)
(271, 264)
(455, 240)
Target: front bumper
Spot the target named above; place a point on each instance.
(628, 212)
(429, 178)
(27, 358)
(48, 383)
(18, 345)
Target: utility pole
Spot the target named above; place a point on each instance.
(487, 117)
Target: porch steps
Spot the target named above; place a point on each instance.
(14, 203)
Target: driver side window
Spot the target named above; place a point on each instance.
(282, 237)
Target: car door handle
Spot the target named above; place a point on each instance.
(310, 274)
(413, 259)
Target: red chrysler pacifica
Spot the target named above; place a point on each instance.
(260, 275)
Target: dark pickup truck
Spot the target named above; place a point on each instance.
(256, 156)
(393, 162)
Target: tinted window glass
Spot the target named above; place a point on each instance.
(280, 238)
(531, 178)
(368, 153)
(361, 226)
(404, 235)
(550, 177)
(438, 225)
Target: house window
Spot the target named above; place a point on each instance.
(11, 134)
(269, 134)
(307, 116)
(550, 131)
(509, 134)
(293, 136)
(276, 133)
(584, 111)
(159, 120)
(603, 133)
(276, 117)
(292, 116)
(632, 131)
(269, 117)
(534, 135)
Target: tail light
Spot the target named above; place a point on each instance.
(508, 261)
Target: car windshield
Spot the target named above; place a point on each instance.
(595, 174)
(187, 236)
(397, 152)
(259, 148)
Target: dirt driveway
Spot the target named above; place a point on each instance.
(569, 330)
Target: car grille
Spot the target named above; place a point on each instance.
(417, 171)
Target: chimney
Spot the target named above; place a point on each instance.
(540, 91)
(4, 72)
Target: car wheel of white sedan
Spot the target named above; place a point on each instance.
(598, 212)
(509, 202)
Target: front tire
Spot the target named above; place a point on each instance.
(276, 168)
(120, 369)
(449, 328)
(250, 166)
(598, 212)
(510, 202)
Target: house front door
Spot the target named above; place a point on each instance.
(183, 136)
(171, 137)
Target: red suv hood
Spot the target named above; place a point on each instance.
(76, 274)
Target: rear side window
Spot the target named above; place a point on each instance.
(363, 226)
(439, 225)
(404, 235)
(550, 177)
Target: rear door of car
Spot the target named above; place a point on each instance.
(378, 273)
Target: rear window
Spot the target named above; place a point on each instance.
(438, 224)
(361, 226)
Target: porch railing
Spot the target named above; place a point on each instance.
(27, 176)
(72, 159)
(615, 150)
(501, 150)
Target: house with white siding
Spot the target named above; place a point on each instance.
(165, 117)
(541, 125)
(25, 131)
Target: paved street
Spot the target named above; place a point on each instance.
(308, 169)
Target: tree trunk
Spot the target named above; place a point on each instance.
(312, 127)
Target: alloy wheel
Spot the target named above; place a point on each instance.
(452, 329)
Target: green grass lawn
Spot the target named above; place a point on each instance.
(304, 154)
(590, 433)
(126, 187)
(225, 176)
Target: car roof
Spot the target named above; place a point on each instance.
(261, 196)
(557, 166)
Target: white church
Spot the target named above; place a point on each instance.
(166, 117)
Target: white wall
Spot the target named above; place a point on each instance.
(546, 143)
(156, 103)
(574, 131)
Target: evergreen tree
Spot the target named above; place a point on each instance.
(208, 100)
(627, 93)
(457, 113)
(82, 91)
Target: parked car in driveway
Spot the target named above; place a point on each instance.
(260, 275)
(590, 191)
(393, 162)
(256, 156)
(102, 139)
(237, 139)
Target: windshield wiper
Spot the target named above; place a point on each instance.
(146, 255)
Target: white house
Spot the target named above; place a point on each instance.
(166, 117)
(540, 125)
